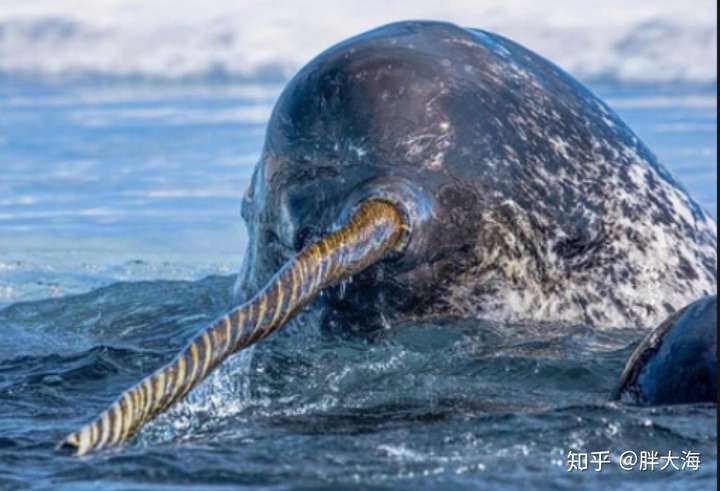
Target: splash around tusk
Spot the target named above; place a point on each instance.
(374, 230)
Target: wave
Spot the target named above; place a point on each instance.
(613, 40)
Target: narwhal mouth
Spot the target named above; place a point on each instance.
(373, 229)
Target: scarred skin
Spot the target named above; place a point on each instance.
(533, 200)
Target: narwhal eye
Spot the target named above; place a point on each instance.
(304, 236)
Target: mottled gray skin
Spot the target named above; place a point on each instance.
(528, 198)
(677, 362)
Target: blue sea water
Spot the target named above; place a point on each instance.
(119, 234)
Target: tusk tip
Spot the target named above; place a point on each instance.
(69, 445)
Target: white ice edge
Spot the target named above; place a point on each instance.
(637, 41)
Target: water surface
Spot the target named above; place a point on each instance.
(119, 234)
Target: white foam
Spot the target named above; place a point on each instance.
(685, 102)
(643, 40)
(172, 116)
(227, 191)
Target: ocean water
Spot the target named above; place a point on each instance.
(119, 213)
(120, 232)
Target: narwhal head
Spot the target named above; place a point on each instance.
(526, 197)
(383, 115)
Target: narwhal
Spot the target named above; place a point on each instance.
(446, 171)
(676, 363)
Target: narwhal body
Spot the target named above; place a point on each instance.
(536, 201)
(446, 171)
(676, 363)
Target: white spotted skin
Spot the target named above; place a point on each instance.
(545, 205)
(631, 286)
(642, 268)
